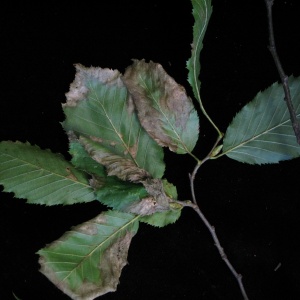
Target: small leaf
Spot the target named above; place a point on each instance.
(41, 176)
(99, 107)
(261, 132)
(87, 261)
(216, 151)
(163, 218)
(202, 11)
(164, 109)
(170, 189)
(123, 168)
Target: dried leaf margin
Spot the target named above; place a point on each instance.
(87, 261)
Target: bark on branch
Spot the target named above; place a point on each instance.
(283, 76)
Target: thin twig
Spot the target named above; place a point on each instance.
(283, 76)
(217, 243)
(211, 228)
(200, 163)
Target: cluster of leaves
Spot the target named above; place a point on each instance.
(115, 160)
(117, 125)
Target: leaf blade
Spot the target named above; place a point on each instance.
(261, 132)
(87, 262)
(202, 11)
(99, 107)
(164, 109)
(162, 218)
(41, 176)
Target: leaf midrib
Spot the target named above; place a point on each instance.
(37, 168)
(119, 135)
(89, 255)
(256, 136)
(178, 138)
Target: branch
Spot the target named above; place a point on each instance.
(193, 204)
(283, 76)
(217, 243)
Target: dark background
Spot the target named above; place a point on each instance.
(255, 209)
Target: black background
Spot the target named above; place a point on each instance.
(255, 209)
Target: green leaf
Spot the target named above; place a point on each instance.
(118, 194)
(41, 176)
(170, 189)
(202, 11)
(87, 261)
(261, 132)
(163, 218)
(99, 107)
(164, 109)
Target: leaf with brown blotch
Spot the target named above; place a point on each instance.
(87, 261)
(116, 165)
(164, 109)
(99, 107)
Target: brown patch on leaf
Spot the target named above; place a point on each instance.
(123, 168)
(88, 228)
(134, 149)
(70, 174)
(96, 139)
(155, 189)
(146, 206)
(79, 87)
(114, 259)
(96, 182)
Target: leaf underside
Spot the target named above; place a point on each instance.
(262, 133)
(164, 109)
(202, 11)
(99, 107)
(87, 261)
(41, 176)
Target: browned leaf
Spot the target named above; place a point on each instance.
(87, 261)
(164, 109)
